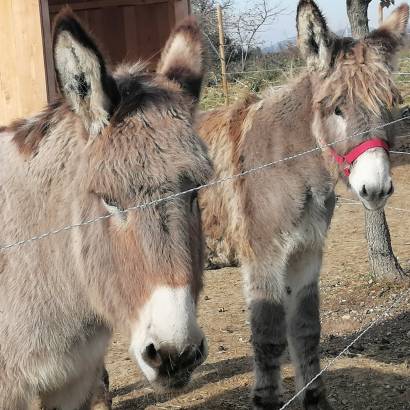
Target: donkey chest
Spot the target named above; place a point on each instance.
(311, 227)
(84, 352)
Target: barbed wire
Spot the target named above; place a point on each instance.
(196, 189)
(287, 69)
(349, 201)
(346, 349)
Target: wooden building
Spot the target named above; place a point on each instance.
(127, 29)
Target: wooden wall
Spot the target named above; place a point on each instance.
(22, 72)
(127, 30)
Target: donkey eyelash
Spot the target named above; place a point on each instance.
(111, 203)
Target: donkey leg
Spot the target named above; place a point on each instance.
(303, 325)
(102, 398)
(79, 394)
(264, 293)
(269, 342)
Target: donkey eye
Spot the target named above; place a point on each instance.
(338, 111)
(111, 203)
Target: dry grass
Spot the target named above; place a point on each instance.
(240, 84)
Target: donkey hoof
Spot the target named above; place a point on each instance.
(260, 402)
(316, 400)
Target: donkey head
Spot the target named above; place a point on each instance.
(140, 269)
(353, 92)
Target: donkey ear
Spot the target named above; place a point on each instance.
(390, 35)
(182, 59)
(82, 74)
(314, 38)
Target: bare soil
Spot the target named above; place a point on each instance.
(375, 374)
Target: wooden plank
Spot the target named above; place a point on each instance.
(51, 85)
(182, 10)
(171, 14)
(23, 88)
(97, 4)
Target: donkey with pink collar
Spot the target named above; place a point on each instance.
(277, 219)
(112, 142)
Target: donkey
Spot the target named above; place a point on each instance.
(110, 143)
(277, 219)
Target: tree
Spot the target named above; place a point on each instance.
(242, 26)
(357, 13)
(205, 11)
(383, 262)
(245, 25)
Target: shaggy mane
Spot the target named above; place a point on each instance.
(361, 74)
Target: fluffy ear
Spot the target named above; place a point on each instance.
(314, 38)
(182, 59)
(82, 74)
(390, 35)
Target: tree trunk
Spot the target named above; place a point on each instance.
(357, 13)
(382, 261)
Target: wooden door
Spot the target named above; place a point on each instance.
(128, 30)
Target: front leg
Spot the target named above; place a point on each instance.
(303, 326)
(269, 343)
(87, 392)
(264, 292)
(102, 397)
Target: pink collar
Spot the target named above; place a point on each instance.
(346, 161)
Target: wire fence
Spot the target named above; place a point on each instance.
(347, 201)
(256, 81)
(196, 189)
(255, 169)
(362, 332)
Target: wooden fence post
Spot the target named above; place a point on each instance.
(222, 53)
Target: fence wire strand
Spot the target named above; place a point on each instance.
(347, 201)
(196, 189)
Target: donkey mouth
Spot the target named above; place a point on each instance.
(174, 376)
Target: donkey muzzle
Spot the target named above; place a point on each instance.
(174, 368)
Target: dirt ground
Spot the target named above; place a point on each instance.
(375, 374)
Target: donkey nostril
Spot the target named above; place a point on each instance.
(151, 356)
(363, 192)
(151, 352)
(391, 190)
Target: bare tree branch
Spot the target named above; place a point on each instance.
(245, 25)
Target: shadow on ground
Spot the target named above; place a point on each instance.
(387, 342)
(352, 388)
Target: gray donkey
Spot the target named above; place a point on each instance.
(277, 219)
(112, 142)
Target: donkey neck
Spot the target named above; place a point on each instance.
(288, 113)
(295, 117)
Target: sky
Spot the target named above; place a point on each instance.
(334, 10)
